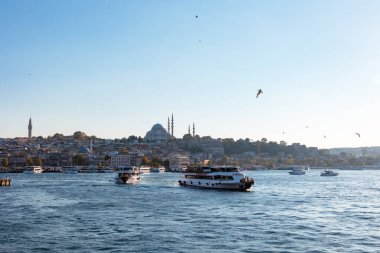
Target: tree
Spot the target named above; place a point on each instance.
(132, 139)
(78, 135)
(29, 161)
(145, 161)
(224, 160)
(5, 162)
(289, 160)
(107, 157)
(187, 137)
(79, 159)
(58, 136)
(196, 149)
(156, 162)
(38, 161)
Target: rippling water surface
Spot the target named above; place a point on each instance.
(282, 213)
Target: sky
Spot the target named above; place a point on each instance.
(115, 68)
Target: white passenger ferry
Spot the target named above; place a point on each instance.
(33, 170)
(216, 177)
(127, 175)
(144, 169)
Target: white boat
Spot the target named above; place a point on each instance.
(144, 169)
(297, 171)
(216, 177)
(329, 173)
(178, 169)
(33, 170)
(70, 169)
(158, 169)
(127, 175)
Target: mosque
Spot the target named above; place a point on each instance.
(159, 134)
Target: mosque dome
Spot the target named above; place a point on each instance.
(157, 133)
(83, 150)
(158, 127)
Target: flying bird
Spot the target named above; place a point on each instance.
(196, 16)
(358, 134)
(325, 136)
(259, 92)
(306, 126)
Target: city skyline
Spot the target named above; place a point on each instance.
(114, 69)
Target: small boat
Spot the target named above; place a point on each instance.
(105, 170)
(329, 173)
(144, 169)
(52, 170)
(70, 169)
(297, 171)
(5, 181)
(158, 169)
(33, 170)
(127, 175)
(216, 177)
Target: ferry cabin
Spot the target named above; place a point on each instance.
(33, 170)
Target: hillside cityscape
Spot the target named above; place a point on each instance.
(159, 147)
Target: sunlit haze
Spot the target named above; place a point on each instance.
(115, 68)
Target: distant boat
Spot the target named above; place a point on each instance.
(70, 169)
(178, 168)
(105, 170)
(5, 181)
(158, 169)
(33, 170)
(297, 171)
(144, 169)
(329, 173)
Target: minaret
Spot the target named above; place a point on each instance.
(193, 130)
(168, 125)
(189, 130)
(172, 125)
(91, 146)
(30, 128)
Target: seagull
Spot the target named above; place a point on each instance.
(259, 92)
(358, 134)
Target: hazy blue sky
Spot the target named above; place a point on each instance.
(115, 68)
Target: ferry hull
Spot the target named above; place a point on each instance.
(216, 185)
(127, 180)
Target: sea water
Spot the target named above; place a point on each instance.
(281, 213)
